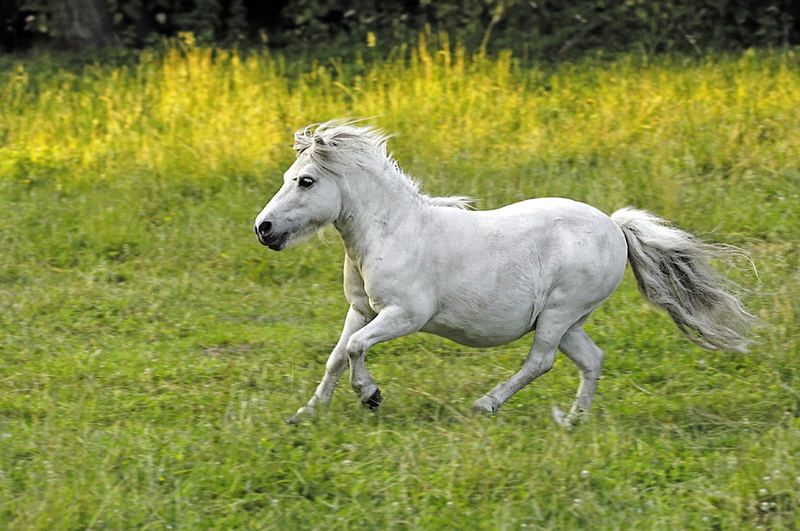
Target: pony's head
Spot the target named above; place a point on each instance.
(328, 156)
(310, 197)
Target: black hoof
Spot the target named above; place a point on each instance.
(374, 400)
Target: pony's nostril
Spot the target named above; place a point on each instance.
(265, 228)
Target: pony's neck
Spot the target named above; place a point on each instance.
(373, 209)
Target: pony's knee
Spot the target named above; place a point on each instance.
(598, 359)
(545, 364)
(355, 348)
(592, 363)
(580, 348)
(538, 364)
(336, 364)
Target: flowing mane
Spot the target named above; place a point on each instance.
(339, 143)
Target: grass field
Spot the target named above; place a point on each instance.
(151, 349)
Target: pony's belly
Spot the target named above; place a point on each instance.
(481, 331)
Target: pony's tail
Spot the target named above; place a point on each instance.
(673, 272)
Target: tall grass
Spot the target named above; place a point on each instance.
(151, 348)
(196, 111)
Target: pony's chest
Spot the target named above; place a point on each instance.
(356, 291)
(361, 301)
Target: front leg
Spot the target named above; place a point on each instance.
(334, 368)
(392, 322)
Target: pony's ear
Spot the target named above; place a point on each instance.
(319, 140)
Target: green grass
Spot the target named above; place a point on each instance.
(151, 348)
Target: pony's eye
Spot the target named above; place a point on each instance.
(305, 182)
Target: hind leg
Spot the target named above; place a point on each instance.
(580, 348)
(550, 328)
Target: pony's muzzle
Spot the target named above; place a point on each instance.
(263, 230)
(266, 236)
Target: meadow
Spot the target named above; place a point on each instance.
(150, 349)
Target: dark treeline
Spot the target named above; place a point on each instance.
(540, 28)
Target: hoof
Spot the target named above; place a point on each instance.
(302, 413)
(568, 420)
(484, 405)
(374, 400)
(561, 418)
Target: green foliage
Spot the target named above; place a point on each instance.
(151, 348)
(544, 29)
(147, 22)
(552, 29)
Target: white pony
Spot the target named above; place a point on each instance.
(482, 278)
